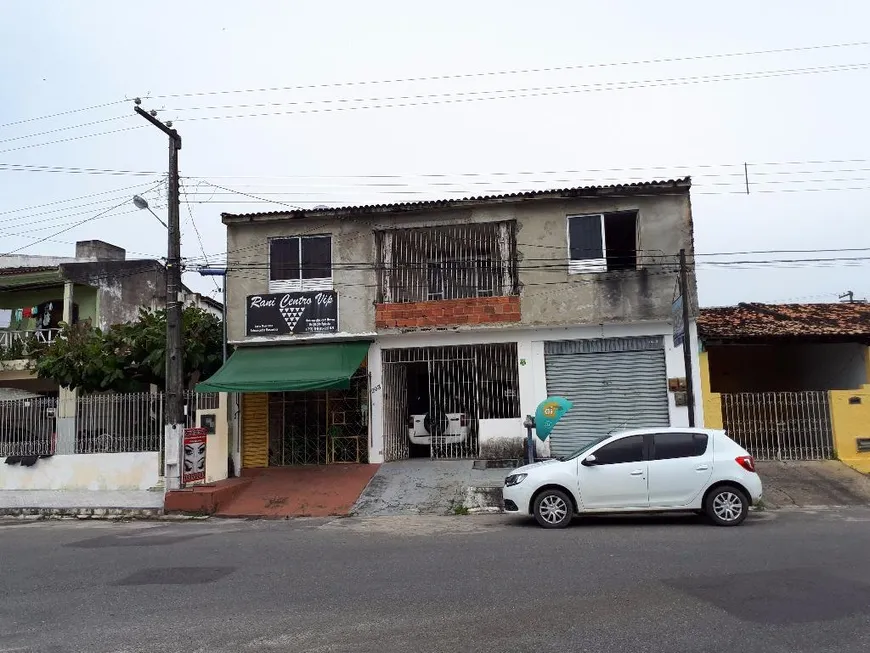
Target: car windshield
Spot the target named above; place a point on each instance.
(586, 447)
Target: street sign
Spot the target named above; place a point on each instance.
(677, 317)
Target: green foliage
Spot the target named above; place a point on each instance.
(130, 356)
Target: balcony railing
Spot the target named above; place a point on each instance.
(17, 344)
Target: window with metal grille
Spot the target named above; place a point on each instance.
(300, 263)
(447, 262)
(602, 242)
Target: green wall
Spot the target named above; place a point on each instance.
(84, 296)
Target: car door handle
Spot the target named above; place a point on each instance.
(637, 472)
(702, 468)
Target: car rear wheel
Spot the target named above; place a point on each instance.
(726, 506)
(553, 509)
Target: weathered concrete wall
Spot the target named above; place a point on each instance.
(549, 295)
(98, 471)
(121, 288)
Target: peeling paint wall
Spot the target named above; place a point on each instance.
(99, 471)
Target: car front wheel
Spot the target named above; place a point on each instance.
(553, 509)
(726, 506)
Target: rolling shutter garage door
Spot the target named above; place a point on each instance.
(614, 384)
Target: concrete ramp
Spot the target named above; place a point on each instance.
(805, 484)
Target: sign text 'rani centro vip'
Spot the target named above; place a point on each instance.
(293, 312)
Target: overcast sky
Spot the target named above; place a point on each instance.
(603, 115)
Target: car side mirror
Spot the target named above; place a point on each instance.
(590, 460)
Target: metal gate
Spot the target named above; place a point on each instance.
(438, 395)
(614, 384)
(780, 425)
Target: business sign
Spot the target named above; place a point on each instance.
(677, 318)
(548, 414)
(194, 455)
(292, 312)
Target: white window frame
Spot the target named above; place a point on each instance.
(585, 266)
(300, 284)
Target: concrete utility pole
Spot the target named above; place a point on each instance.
(174, 428)
(687, 339)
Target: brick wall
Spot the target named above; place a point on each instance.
(449, 312)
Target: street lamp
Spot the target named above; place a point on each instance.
(219, 272)
(142, 203)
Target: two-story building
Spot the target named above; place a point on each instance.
(432, 328)
(99, 284)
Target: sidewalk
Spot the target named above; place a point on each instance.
(83, 503)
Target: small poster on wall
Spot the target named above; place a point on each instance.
(194, 455)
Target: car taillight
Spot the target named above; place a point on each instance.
(746, 462)
(463, 420)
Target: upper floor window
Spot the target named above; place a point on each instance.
(447, 262)
(300, 263)
(602, 242)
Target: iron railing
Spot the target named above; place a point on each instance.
(780, 425)
(105, 423)
(16, 344)
(447, 262)
(27, 426)
(435, 397)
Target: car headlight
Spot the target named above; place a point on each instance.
(514, 479)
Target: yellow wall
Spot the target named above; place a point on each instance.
(255, 430)
(851, 421)
(712, 401)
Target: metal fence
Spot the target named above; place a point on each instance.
(105, 423)
(447, 262)
(27, 426)
(435, 397)
(780, 425)
(129, 422)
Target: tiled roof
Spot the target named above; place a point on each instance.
(656, 187)
(11, 272)
(758, 321)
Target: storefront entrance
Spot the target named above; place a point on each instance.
(320, 427)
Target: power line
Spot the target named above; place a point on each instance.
(73, 199)
(520, 71)
(196, 230)
(62, 113)
(61, 129)
(22, 167)
(73, 138)
(77, 224)
(474, 96)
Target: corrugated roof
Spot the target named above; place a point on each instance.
(657, 187)
(758, 321)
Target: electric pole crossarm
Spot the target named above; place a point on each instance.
(166, 130)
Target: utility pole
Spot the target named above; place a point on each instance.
(687, 340)
(174, 428)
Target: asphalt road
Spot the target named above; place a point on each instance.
(785, 581)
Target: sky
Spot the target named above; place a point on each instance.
(397, 101)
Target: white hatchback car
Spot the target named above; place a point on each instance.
(647, 470)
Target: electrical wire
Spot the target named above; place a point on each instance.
(196, 230)
(504, 94)
(73, 138)
(66, 113)
(73, 199)
(23, 167)
(61, 129)
(520, 71)
(77, 224)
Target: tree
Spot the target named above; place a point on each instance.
(128, 357)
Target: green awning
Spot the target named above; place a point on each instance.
(276, 368)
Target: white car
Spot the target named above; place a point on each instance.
(454, 431)
(662, 469)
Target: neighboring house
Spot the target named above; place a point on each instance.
(362, 331)
(38, 293)
(781, 378)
